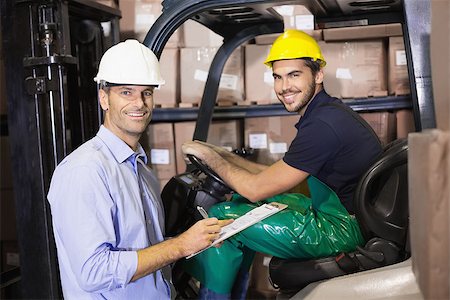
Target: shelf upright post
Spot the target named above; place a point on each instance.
(416, 32)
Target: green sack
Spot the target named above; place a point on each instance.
(313, 227)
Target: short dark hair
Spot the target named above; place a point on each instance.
(104, 86)
(314, 65)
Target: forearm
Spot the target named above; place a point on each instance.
(253, 181)
(273, 180)
(196, 238)
(156, 257)
(241, 162)
(243, 179)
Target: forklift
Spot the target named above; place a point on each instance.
(52, 106)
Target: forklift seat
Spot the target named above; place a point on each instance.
(381, 208)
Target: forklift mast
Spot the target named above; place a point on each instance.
(51, 51)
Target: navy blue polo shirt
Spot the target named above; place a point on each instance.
(333, 145)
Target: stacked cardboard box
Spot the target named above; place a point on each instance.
(355, 69)
(158, 140)
(398, 71)
(357, 62)
(362, 32)
(226, 134)
(268, 39)
(194, 69)
(405, 123)
(110, 3)
(137, 18)
(384, 124)
(258, 77)
(195, 35)
(169, 94)
(200, 45)
(269, 137)
(296, 17)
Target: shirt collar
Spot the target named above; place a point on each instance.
(317, 100)
(320, 97)
(119, 149)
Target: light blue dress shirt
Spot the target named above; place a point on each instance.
(105, 206)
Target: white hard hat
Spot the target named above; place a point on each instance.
(129, 62)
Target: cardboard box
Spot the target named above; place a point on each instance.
(405, 123)
(269, 137)
(226, 134)
(439, 54)
(194, 68)
(429, 197)
(296, 17)
(259, 283)
(398, 83)
(8, 230)
(258, 77)
(355, 69)
(158, 142)
(384, 124)
(362, 32)
(197, 35)
(137, 18)
(169, 94)
(6, 181)
(110, 3)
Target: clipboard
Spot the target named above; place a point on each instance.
(255, 215)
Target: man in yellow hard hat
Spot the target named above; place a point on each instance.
(105, 202)
(332, 149)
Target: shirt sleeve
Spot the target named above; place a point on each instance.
(83, 220)
(314, 145)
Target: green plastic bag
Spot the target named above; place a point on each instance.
(313, 227)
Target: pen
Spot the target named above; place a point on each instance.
(203, 212)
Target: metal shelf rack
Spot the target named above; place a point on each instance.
(251, 111)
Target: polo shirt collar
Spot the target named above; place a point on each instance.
(318, 99)
(119, 149)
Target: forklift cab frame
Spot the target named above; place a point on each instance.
(241, 21)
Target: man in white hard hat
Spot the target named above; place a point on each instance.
(106, 209)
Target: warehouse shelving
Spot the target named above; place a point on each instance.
(239, 21)
(371, 104)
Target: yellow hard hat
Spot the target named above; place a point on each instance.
(294, 44)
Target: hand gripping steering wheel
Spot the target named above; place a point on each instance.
(207, 170)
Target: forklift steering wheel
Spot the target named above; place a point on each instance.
(207, 170)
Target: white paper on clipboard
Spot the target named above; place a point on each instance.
(255, 215)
